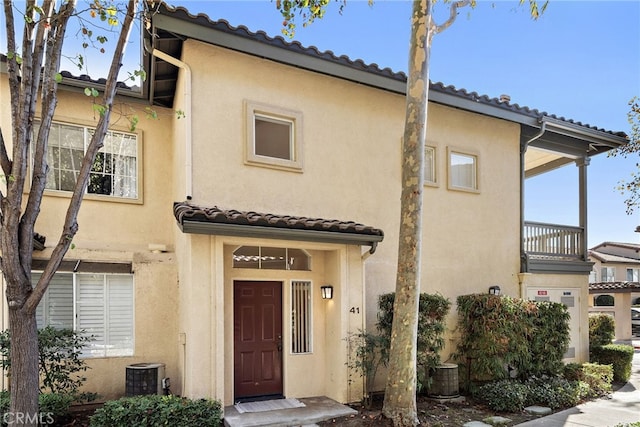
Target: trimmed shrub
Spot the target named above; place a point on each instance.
(602, 329)
(597, 377)
(502, 336)
(619, 356)
(52, 406)
(503, 395)
(554, 392)
(158, 411)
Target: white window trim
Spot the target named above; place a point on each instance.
(253, 109)
(92, 196)
(469, 153)
(312, 290)
(435, 182)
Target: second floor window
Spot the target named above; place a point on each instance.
(608, 274)
(633, 274)
(114, 171)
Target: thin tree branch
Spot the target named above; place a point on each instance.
(453, 14)
(55, 26)
(5, 161)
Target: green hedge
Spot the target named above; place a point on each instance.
(618, 356)
(502, 336)
(155, 411)
(602, 329)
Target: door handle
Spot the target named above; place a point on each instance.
(279, 343)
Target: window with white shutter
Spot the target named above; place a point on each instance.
(100, 304)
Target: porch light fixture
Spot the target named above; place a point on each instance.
(494, 290)
(326, 291)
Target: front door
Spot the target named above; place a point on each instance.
(257, 339)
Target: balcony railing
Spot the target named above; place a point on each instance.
(553, 241)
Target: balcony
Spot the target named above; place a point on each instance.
(553, 248)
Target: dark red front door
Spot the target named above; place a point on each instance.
(257, 339)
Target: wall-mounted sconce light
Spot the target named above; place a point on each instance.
(494, 290)
(327, 291)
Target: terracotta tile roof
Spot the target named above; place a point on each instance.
(614, 286)
(185, 211)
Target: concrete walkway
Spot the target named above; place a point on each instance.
(623, 406)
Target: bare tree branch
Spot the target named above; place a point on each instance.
(5, 161)
(55, 24)
(70, 227)
(453, 14)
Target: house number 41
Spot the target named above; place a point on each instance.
(355, 310)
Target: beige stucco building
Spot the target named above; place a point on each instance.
(615, 283)
(283, 177)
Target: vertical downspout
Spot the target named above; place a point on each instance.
(524, 264)
(188, 149)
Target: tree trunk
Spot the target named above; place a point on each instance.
(24, 368)
(400, 392)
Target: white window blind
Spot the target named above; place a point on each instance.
(56, 307)
(102, 305)
(301, 317)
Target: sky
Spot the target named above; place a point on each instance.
(580, 61)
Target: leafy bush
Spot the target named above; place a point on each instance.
(597, 377)
(504, 395)
(59, 359)
(513, 395)
(619, 356)
(555, 392)
(51, 405)
(602, 329)
(432, 310)
(369, 352)
(501, 336)
(156, 410)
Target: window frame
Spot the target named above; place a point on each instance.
(433, 180)
(86, 129)
(310, 318)
(275, 114)
(604, 274)
(634, 272)
(107, 304)
(451, 151)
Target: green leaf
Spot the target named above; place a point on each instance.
(57, 77)
(87, 91)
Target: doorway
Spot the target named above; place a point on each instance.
(257, 340)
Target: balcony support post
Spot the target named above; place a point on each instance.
(582, 164)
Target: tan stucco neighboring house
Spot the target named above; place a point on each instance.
(281, 179)
(615, 283)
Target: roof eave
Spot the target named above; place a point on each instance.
(238, 230)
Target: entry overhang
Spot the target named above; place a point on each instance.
(216, 221)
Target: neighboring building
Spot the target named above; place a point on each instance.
(211, 254)
(614, 283)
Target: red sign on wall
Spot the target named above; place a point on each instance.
(542, 292)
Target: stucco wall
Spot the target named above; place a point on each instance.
(117, 230)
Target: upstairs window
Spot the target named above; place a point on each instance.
(608, 274)
(115, 171)
(633, 274)
(274, 137)
(463, 171)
